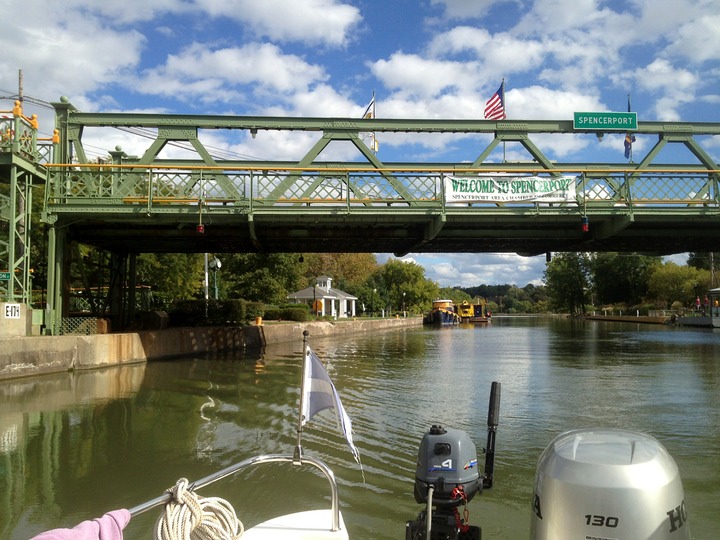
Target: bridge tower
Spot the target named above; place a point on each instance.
(20, 172)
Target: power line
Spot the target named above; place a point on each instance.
(215, 152)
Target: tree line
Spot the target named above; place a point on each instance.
(578, 282)
(573, 282)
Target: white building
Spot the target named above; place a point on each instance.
(324, 300)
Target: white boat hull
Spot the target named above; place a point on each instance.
(313, 524)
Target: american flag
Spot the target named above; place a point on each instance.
(495, 106)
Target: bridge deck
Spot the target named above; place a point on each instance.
(134, 209)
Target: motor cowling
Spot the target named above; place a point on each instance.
(608, 483)
(447, 461)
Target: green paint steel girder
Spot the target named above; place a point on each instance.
(151, 203)
(367, 125)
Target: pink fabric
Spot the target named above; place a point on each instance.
(108, 527)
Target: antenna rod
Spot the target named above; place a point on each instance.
(492, 422)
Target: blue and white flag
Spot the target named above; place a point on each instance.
(629, 137)
(319, 393)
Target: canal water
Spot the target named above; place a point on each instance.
(73, 446)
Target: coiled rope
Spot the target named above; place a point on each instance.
(191, 517)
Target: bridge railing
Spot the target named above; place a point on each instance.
(164, 189)
(18, 134)
(650, 189)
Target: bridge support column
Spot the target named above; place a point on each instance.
(58, 270)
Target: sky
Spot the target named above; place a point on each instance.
(440, 59)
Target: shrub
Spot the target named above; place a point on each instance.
(214, 312)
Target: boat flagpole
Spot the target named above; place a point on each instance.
(302, 412)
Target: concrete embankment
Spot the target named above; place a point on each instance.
(628, 318)
(28, 356)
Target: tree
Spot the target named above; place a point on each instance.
(622, 277)
(454, 294)
(384, 288)
(671, 283)
(172, 276)
(568, 278)
(346, 269)
(706, 261)
(400, 277)
(261, 277)
(703, 260)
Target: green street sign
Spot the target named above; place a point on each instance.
(605, 121)
(4, 276)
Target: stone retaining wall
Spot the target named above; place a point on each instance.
(28, 356)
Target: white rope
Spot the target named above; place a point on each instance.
(191, 517)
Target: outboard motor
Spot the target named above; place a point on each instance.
(447, 462)
(447, 476)
(608, 483)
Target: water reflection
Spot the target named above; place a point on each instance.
(74, 446)
(50, 424)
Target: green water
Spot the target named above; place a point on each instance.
(73, 446)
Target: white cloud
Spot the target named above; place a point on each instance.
(556, 16)
(460, 9)
(699, 40)
(539, 102)
(199, 72)
(499, 54)
(676, 87)
(416, 75)
(660, 74)
(472, 269)
(323, 100)
(68, 55)
(327, 22)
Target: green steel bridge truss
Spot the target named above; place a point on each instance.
(201, 203)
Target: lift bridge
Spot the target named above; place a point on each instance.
(199, 203)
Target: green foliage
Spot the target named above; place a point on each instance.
(671, 283)
(213, 312)
(573, 281)
(622, 277)
(296, 312)
(456, 295)
(703, 260)
(385, 287)
(266, 277)
(568, 278)
(172, 276)
(348, 270)
(512, 299)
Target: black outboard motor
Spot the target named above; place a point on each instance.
(447, 476)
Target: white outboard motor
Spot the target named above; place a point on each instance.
(608, 484)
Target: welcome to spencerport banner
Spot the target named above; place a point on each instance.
(510, 189)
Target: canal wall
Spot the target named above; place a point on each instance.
(628, 318)
(37, 355)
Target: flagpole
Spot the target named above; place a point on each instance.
(374, 115)
(631, 148)
(502, 97)
(301, 409)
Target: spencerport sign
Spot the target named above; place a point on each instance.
(605, 121)
(499, 189)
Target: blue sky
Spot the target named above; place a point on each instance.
(423, 59)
